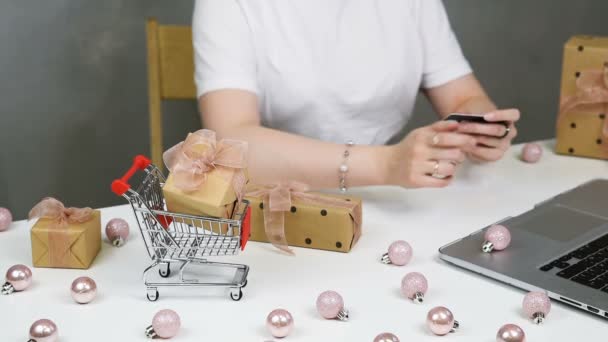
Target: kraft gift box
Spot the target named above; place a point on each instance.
(74, 245)
(218, 171)
(582, 125)
(314, 225)
(215, 198)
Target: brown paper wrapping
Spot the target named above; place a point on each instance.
(72, 246)
(312, 226)
(580, 129)
(214, 198)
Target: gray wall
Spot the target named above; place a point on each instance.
(73, 96)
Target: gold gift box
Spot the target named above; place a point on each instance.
(216, 197)
(579, 129)
(73, 246)
(313, 226)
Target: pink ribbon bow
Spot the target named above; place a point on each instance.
(592, 88)
(192, 159)
(278, 199)
(53, 209)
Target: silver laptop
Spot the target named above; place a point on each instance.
(560, 246)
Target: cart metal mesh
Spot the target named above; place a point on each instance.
(180, 238)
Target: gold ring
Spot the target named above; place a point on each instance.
(435, 140)
(436, 173)
(507, 131)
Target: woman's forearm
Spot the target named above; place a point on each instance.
(279, 156)
(477, 105)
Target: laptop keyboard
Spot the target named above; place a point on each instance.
(587, 265)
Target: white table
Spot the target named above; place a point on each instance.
(426, 218)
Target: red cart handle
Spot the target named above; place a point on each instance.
(120, 186)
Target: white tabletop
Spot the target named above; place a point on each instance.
(428, 219)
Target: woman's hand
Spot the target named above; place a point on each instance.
(491, 140)
(428, 156)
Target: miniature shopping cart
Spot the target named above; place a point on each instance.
(184, 240)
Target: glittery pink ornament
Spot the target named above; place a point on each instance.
(117, 231)
(440, 321)
(18, 278)
(537, 306)
(531, 153)
(399, 253)
(386, 337)
(6, 218)
(165, 324)
(83, 290)
(497, 238)
(510, 333)
(279, 322)
(44, 330)
(330, 305)
(414, 286)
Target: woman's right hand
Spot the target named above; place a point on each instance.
(428, 156)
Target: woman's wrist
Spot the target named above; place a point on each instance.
(370, 165)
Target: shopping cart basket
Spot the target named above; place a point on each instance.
(179, 239)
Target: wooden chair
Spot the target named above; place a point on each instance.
(170, 75)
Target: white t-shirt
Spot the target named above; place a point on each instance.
(328, 69)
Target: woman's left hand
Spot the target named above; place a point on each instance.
(491, 140)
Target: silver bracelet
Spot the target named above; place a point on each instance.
(343, 170)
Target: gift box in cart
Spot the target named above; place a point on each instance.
(180, 239)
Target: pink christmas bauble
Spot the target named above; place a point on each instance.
(329, 304)
(400, 253)
(6, 218)
(414, 283)
(510, 333)
(531, 153)
(440, 321)
(535, 303)
(19, 276)
(117, 231)
(279, 322)
(83, 290)
(386, 337)
(166, 323)
(499, 236)
(44, 330)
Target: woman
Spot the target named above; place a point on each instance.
(301, 79)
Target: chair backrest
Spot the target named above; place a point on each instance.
(170, 75)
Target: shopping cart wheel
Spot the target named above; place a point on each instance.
(236, 294)
(244, 284)
(152, 294)
(164, 270)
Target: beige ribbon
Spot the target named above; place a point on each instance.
(278, 199)
(61, 217)
(192, 159)
(592, 89)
